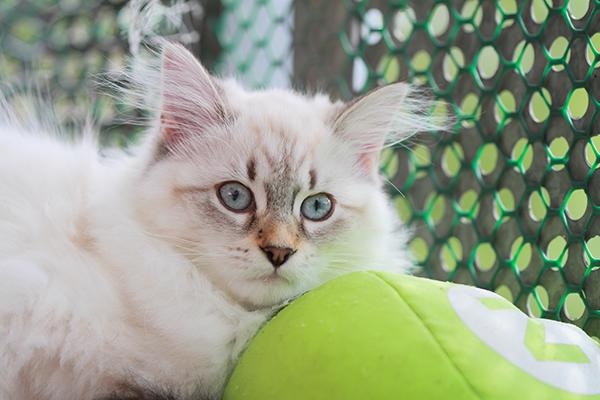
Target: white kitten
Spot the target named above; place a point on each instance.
(150, 271)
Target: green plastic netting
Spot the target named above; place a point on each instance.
(509, 201)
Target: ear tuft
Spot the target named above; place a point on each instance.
(384, 116)
(192, 99)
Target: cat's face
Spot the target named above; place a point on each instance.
(268, 193)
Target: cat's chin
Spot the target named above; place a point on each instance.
(273, 278)
(268, 291)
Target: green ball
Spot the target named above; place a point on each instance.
(371, 335)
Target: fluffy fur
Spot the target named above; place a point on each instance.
(128, 273)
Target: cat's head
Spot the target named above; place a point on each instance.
(270, 193)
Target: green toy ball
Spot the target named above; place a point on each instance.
(371, 335)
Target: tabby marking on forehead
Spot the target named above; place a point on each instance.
(251, 170)
(280, 188)
(313, 178)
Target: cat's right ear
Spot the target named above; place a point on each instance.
(192, 100)
(385, 116)
(370, 120)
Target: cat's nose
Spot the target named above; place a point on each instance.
(277, 255)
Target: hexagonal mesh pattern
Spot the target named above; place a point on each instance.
(62, 45)
(510, 200)
(255, 37)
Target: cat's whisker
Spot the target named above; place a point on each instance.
(398, 191)
(178, 242)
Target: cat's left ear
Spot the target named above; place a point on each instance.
(192, 100)
(388, 114)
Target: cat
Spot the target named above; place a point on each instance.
(142, 275)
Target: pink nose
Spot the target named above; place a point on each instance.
(277, 255)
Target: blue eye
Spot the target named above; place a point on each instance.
(235, 196)
(317, 207)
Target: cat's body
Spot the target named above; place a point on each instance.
(88, 297)
(121, 273)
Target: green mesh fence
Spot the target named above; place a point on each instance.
(509, 201)
(62, 46)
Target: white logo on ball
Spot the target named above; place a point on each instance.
(504, 329)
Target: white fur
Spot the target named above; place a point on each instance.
(107, 276)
